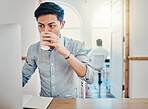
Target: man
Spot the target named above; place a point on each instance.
(59, 66)
(98, 51)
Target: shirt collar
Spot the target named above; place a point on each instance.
(62, 39)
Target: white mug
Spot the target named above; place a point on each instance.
(43, 47)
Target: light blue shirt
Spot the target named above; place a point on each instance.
(58, 79)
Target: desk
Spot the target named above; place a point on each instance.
(107, 103)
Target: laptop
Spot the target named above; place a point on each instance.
(36, 102)
(10, 67)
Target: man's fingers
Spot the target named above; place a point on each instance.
(47, 35)
(47, 39)
(51, 35)
(50, 40)
(49, 44)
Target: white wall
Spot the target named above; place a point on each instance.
(7, 11)
(138, 48)
(29, 34)
(22, 12)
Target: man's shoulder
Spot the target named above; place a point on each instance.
(101, 49)
(105, 50)
(98, 50)
(72, 41)
(34, 45)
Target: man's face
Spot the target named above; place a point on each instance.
(50, 23)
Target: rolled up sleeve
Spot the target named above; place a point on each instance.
(81, 56)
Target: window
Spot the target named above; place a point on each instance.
(101, 25)
(72, 27)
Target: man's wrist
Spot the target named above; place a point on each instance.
(66, 54)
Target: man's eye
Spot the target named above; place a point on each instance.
(41, 26)
(52, 26)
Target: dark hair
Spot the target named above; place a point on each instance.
(49, 8)
(99, 42)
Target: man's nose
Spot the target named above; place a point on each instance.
(47, 29)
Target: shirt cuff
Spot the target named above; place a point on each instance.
(89, 76)
(24, 80)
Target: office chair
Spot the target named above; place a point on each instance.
(98, 62)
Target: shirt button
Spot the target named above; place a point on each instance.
(52, 87)
(53, 76)
(52, 64)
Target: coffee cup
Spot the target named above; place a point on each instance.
(42, 43)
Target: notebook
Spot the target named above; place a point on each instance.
(36, 102)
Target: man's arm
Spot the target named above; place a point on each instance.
(79, 54)
(79, 63)
(29, 67)
(78, 66)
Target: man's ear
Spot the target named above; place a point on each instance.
(62, 24)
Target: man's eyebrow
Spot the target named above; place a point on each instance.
(40, 23)
(51, 23)
(48, 23)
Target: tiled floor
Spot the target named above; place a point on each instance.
(98, 91)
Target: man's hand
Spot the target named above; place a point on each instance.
(54, 41)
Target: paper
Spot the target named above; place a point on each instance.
(36, 102)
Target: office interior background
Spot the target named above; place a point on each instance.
(87, 20)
